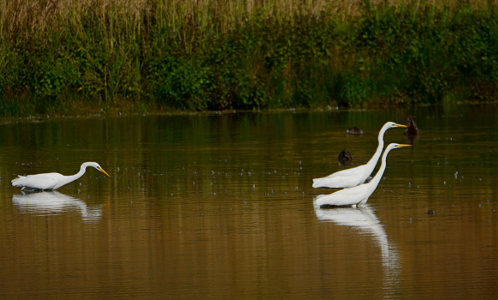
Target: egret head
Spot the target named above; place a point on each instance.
(96, 166)
(392, 125)
(395, 146)
(103, 171)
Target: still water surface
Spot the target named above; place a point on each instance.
(221, 206)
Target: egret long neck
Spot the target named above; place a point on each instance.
(373, 161)
(375, 181)
(71, 178)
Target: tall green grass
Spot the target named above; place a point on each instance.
(64, 56)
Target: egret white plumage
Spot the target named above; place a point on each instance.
(357, 195)
(52, 181)
(357, 175)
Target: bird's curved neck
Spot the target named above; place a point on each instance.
(380, 147)
(375, 181)
(71, 178)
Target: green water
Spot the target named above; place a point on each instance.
(221, 206)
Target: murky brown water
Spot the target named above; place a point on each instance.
(221, 206)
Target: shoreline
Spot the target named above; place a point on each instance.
(116, 113)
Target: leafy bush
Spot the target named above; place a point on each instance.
(203, 57)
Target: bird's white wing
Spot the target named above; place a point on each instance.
(45, 181)
(347, 196)
(337, 182)
(342, 179)
(348, 172)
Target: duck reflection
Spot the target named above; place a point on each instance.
(53, 202)
(364, 219)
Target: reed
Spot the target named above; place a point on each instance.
(28, 16)
(217, 54)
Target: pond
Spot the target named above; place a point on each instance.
(221, 206)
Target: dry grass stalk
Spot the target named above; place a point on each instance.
(28, 16)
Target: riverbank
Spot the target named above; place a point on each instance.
(91, 56)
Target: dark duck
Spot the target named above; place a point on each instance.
(345, 158)
(412, 129)
(354, 131)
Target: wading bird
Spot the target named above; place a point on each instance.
(51, 181)
(357, 175)
(358, 195)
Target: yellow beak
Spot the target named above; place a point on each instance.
(400, 125)
(103, 171)
(404, 145)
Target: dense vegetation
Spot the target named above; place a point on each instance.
(67, 56)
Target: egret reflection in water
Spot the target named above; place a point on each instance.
(53, 202)
(364, 219)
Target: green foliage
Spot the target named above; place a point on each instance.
(386, 53)
(180, 83)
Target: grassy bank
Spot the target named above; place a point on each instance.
(67, 56)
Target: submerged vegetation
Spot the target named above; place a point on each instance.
(65, 56)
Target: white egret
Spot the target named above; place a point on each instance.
(358, 195)
(52, 181)
(357, 175)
